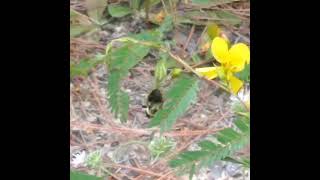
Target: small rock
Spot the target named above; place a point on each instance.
(203, 116)
(233, 170)
(216, 170)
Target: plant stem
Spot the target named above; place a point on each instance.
(176, 58)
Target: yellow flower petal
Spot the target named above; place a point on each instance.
(236, 68)
(208, 72)
(219, 49)
(235, 84)
(239, 54)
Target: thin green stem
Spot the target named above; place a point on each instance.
(243, 114)
(176, 58)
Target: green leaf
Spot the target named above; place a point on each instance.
(79, 24)
(177, 100)
(192, 171)
(207, 145)
(141, 3)
(127, 56)
(167, 24)
(233, 160)
(73, 13)
(123, 99)
(135, 4)
(202, 17)
(196, 58)
(246, 161)
(154, 2)
(75, 175)
(85, 65)
(178, 162)
(171, 63)
(160, 71)
(119, 100)
(193, 155)
(196, 14)
(208, 55)
(201, 2)
(77, 30)
(160, 146)
(212, 2)
(117, 10)
(242, 124)
(228, 17)
(227, 135)
(187, 157)
(211, 152)
(213, 30)
(80, 28)
(244, 75)
(120, 61)
(187, 20)
(153, 36)
(81, 69)
(95, 8)
(238, 107)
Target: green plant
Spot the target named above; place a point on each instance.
(130, 53)
(75, 175)
(118, 10)
(84, 67)
(123, 54)
(228, 142)
(80, 24)
(94, 159)
(95, 9)
(160, 146)
(122, 9)
(179, 95)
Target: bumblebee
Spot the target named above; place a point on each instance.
(154, 103)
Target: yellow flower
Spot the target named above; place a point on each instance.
(232, 60)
